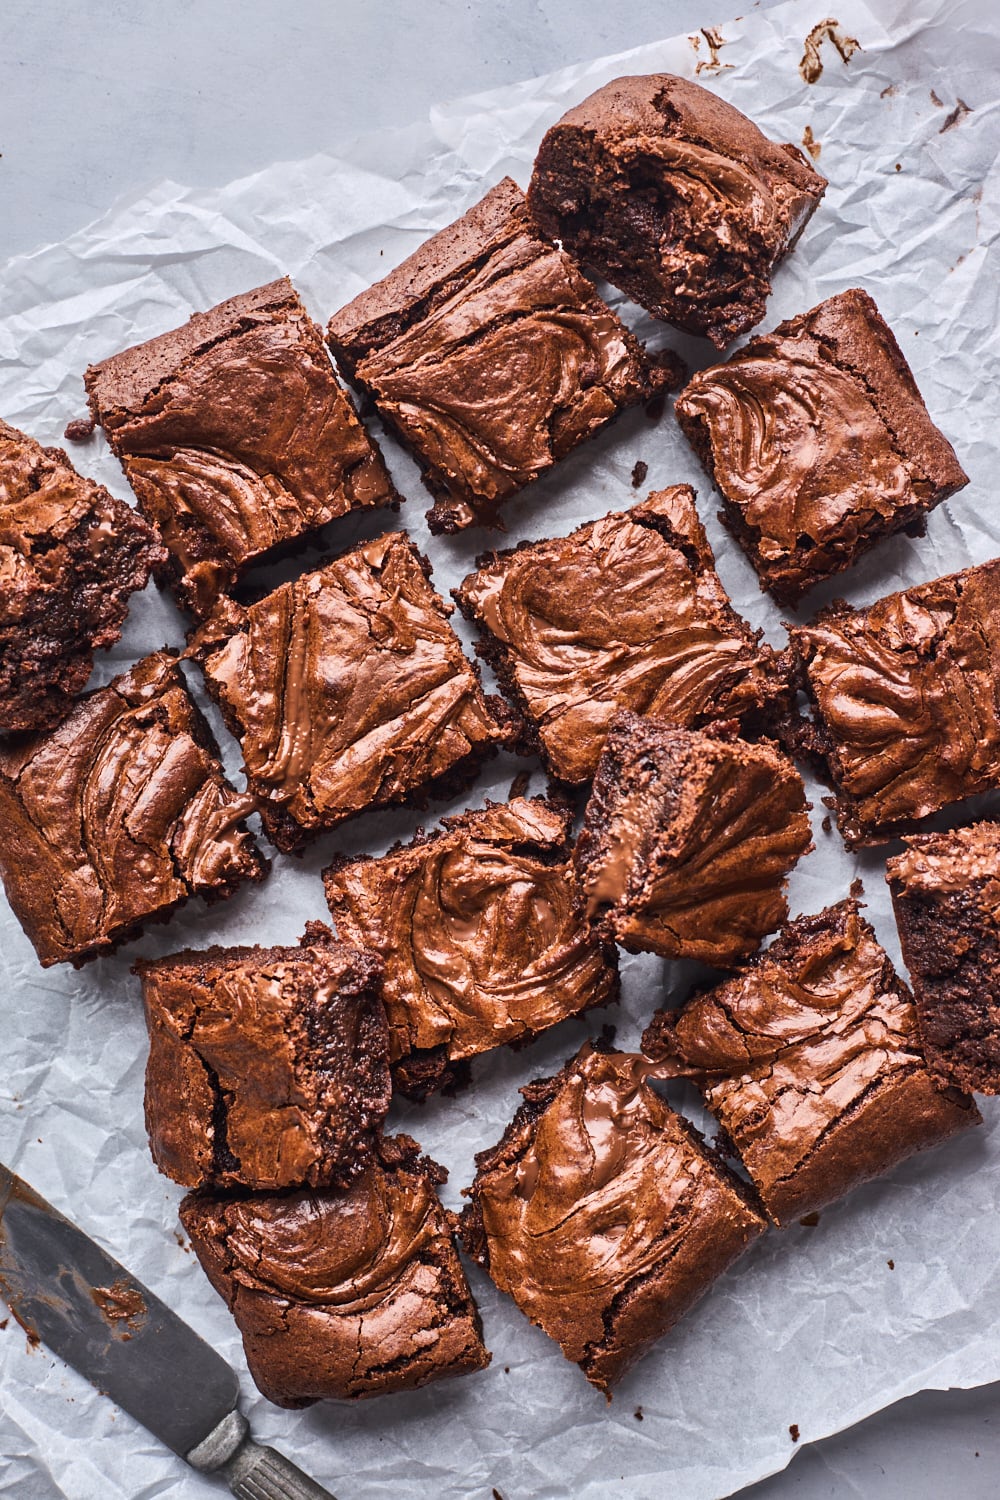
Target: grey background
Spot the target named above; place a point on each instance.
(102, 98)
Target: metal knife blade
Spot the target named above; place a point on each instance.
(69, 1294)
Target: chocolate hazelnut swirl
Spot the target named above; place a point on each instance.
(478, 934)
(811, 1061)
(117, 815)
(687, 840)
(490, 355)
(818, 439)
(340, 1295)
(905, 701)
(348, 690)
(676, 198)
(627, 612)
(602, 1213)
(236, 437)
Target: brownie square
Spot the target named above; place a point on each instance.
(70, 556)
(819, 443)
(118, 815)
(675, 197)
(490, 356)
(946, 895)
(811, 1061)
(626, 613)
(905, 701)
(478, 933)
(342, 1294)
(602, 1214)
(687, 840)
(236, 437)
(268, 1067)
(348, 690)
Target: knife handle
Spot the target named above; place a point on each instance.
(252, 1471)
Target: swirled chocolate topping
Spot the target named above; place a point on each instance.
(811, 1061)
(627, 612)
(477, 931)
(268, 1067)
(601, 1213)
(676, 198)
(70, 556)
(490, 355)
(118, 815)
(340, 1295)
(687, 840)
(347, 689)
(905, 700)
(236, 436)
(819, 441)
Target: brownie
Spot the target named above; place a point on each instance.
(348, 690)
(687, 840)
(118, 815)
(490, 356)
(627, 612)
(70, 556)
(236, 437)
(268, 1067)
(676, 198)
(946, 896)
(819, 443)
(478, 933)
(602, 1214)
(905, 701)
(811, 1061)
(342, 1293)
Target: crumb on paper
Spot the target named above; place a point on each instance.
(79, 430)
(639, 471)
(810, 143)
(638, 1414)
(809, 1221)
(497, 1495)
(830, 30)
(793, 1432)
(957, 114)
(519, 785)
(888, 91)
(936, 100)
(827, 823)
(857, 889)
(713, 36)
(891, 1264)
(899, 166)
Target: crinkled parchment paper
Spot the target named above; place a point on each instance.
(897, 1288)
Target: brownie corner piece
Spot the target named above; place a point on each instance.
(118, 815)
(675, 197)
(945, 889)
(811, 1060)
(819, 443)
(604, 1237)
(71, 555)
(687, 840)
(268, 1068)
(477, 929)
(341, 1294)
(236, 437)
(490, 355)
(348, 690)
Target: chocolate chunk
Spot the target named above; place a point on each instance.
(236, 437)
(676, 198)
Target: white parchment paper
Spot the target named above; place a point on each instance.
(897, 1288)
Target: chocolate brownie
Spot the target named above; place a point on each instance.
(236, 437)
(479, 937)
(342, 1294)
(687, 840)
(810, 1059)
(819, 443)
(70, 556)
(675, 197)
(268, 1067)
(905, 701)
(627, 612)
(602, 1214)
(118, 815)
(348, 690)
(490, 356)
(946, 895)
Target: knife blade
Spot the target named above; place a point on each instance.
(69, 1294)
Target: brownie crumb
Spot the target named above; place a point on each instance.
(638, 1414)
(497, 1495)
(793, 1432)
(809, 1221)
(639, 472)
(519, 785)
(3, 1325)
(891, 1264)
(79, 430)
(827, 824)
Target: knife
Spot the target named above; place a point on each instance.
(68, 1294)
